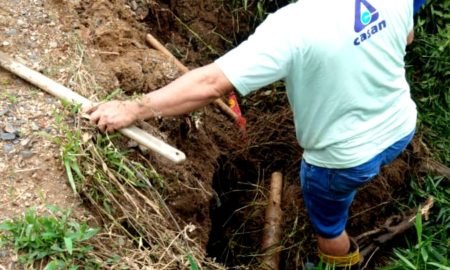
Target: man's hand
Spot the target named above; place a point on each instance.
(113, 115)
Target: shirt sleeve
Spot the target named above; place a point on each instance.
(418, 4)
(262, 59)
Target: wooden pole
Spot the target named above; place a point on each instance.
(158, 46)
(62, 92)
(272, 226)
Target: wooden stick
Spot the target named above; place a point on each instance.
(62, 92)
(158, 46)
(272, 227)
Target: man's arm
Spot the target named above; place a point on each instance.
(410, 37)
(191, 91)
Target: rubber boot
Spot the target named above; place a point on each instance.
(349, 261)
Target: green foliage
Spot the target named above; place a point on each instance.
(56, 239)
(11, 97)
(71, 150)
(254, 11)
(192, 263)
(431, 250)
(428, 71)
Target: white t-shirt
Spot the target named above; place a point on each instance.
(343, 64)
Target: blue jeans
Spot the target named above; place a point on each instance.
(328, 193)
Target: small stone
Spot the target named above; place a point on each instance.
(34, 126)
(4, 253)
(20, 22)
(133, 5)
(4, 111)
(53, 44)
(26, 153)
(6, 43)
(9, 128)
(8, 148)
(143, 149)
(7, 136)
(11, 32)
(26, 142)
(132, 144)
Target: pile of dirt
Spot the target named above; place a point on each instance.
(115, 31)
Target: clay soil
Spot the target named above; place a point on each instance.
(222, 187)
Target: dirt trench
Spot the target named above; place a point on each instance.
(222, 188)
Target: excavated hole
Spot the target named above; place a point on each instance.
(228, 240)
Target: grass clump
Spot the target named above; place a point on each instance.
(430, 250)
(428, 62)
(256, 10)
(428, 72)
(56, 241)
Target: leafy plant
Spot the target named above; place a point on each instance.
(56, 239)
(428, 62)
(428, 72)
(70, 146)
(431, 250)
(12, 98)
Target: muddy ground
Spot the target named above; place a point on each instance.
(97, 47)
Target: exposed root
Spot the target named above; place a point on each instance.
(370, 241)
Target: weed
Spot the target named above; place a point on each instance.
(431, 250)
(54, 239)
(253, 11)
(428, 62)
(114, 94)
(13, 99)
(5, 81)
(71, 150)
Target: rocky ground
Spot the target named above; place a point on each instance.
(31, 172)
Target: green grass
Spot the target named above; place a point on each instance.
(255, 10)
(430, 250)
(428, 71)
(56, 240)
(11, 97)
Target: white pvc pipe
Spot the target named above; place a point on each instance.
(62, 92)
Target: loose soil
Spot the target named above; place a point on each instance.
(99, 46)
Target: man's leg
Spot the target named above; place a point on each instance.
(339, 246)
(328, 194)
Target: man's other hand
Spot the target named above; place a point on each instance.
(113, 115)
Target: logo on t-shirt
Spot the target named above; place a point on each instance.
(365, 15)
